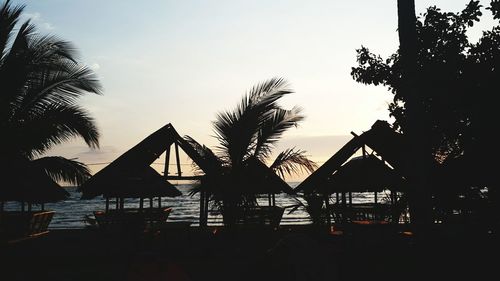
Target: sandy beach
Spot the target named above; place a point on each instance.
(291, 253)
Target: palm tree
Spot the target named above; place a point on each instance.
(250, 131)
(40, 82)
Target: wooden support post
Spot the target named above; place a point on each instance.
(327, 209)
(122, 203)
(107, 204)
(337, 199)
(204, 198)
(151, 202)
(375, 197)
(117, 203)
(274, 199)
(350, 198)
(207, 199)
(269, 201)
(167, 161)
(177, 159)
(141, 203)
(22, 206)
(363, 148)
(43, 206)
(159, 202)
(344, 207)
(202, 208)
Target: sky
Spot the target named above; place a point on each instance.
(181, 62)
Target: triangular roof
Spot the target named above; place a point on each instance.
(362, 174)
(23, 182)
(381, 138)
(389, 144)
(132, 169)
(263, 180)
(142, 182)
(253, 178)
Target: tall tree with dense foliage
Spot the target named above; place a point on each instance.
(454, 84)
(40, 84)
(455, 79)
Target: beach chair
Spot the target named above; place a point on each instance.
(156, 218)
(18, 226)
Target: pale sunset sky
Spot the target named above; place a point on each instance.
(181, 62)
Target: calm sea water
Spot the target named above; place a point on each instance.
(71, 213)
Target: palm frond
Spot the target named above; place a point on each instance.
(9, 17)
(40, 81)
(273, 128)
(49, 49)
(61, 87)
(15, 69)
(292, 161)
(56, 124)
(61, 169)
(237, 130)
(36, 65)
(22, 39)
(206, 153)
(267, 87)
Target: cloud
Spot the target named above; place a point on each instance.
(33, 16)
(92, 156)
(85, 154)
(95, 66)
(47, 26)
(96, 159)
(38, 20)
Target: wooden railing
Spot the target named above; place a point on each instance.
(361, 212)
(261, 215)
(132, 219)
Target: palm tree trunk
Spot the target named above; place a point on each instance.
(418, 154)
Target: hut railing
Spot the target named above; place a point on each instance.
(133, 218)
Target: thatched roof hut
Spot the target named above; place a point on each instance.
(368, 173)
(253, 178)
(260, 179)
(24, 182)
(140, 183)
(364, 174)
(130, 175)
(381, 138)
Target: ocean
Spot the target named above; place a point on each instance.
(71, 213)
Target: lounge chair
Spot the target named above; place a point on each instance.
(17, 226)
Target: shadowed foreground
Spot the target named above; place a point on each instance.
(288, 254)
